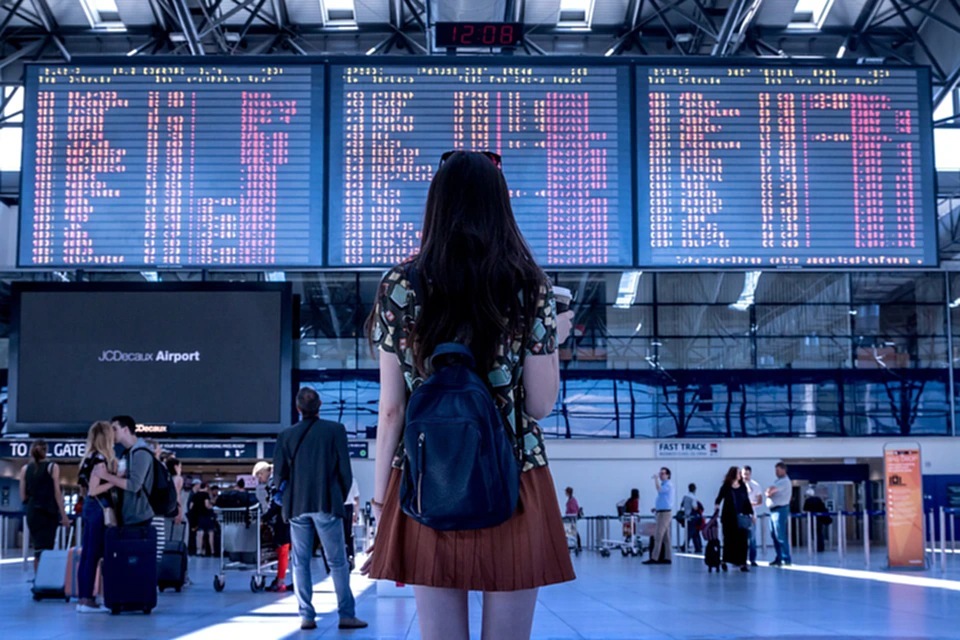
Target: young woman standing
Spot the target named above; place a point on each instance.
(479, 285)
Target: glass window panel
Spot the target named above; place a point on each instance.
(885, 287)
(810, 352)
(601, 288)
(803, 288)
(698, 320)
(807, 320)
(699, 288)
(705, 353)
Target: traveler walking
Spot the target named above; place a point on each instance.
(201, 508)
(312, 469)
(136, 486)
(172, 525)
(778, 501)
(573, 510)
(755, 494)
(664, 513)
(692, 511)
(99, 512)
(40, 492)
(273, 518)
(476, 290)
(735, 519)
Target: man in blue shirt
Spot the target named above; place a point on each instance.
(664, 511)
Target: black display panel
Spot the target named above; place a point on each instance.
(563, 131)
(785, 166)
(174, 164)
(179, 358)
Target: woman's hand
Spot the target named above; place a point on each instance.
(365, 569)
(64, 521)
(564, 325)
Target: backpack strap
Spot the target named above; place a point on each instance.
(454, 349)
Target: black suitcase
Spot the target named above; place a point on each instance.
(712, 556)
(172, 569)
(130, 569)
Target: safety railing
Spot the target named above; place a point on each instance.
(943, 546)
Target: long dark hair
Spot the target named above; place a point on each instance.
(38, 451)
(731, 476)
(473, 263)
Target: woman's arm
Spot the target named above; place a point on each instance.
(55, 472)
(541, 375)
(541, 384)
(390, 419)
(23, 484)
(97, 485)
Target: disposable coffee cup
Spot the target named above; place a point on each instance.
(564, 297)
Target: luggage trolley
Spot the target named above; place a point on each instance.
(233, 519)
(632, 542)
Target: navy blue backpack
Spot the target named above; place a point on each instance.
(461, 469)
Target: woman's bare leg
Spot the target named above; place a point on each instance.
(442, 613)
(508, 615)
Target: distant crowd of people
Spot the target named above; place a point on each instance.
(739, 503)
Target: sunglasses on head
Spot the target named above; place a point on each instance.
(490, 155)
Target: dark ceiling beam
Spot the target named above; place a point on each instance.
(280, 13)
(222, 20)
(916, 38)
(668, 28)
(910, 4)
(727, 27)
(247, 24)
(185, 20)
(31, 33)
(950, 84)
(28, 50)
(50, 25)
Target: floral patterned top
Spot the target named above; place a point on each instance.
(396, 312)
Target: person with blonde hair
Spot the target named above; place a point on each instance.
(99, 511)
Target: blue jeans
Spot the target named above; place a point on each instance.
(330, 529)
(752, 542)
(781, 537)
(94, 535)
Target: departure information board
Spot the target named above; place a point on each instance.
(280, 162)
(563, 132)
(785, 167)
(201, 164)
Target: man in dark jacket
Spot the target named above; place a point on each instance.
(815, 505)
(312, 465)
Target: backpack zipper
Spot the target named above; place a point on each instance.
(420, 440)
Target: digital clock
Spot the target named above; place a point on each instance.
(478, 34)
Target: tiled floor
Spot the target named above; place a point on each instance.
(613, 598)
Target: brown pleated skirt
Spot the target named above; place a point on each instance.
(527, 551)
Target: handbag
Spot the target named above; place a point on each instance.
(109, 515)
(744, 521)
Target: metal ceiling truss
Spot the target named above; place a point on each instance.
(892, 30)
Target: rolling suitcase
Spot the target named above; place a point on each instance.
(72, 588)
(712, 556)
(51, 579)
(130, 569)
(172, 570)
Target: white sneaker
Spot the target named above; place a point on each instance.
(85, 608)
